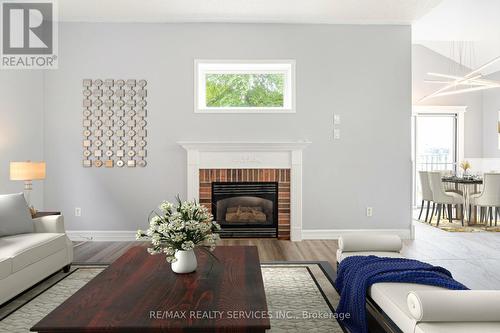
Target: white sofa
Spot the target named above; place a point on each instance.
(416, 308)
(31, 254)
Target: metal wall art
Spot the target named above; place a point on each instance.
(114, 123)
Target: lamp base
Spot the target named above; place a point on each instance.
(28, 187)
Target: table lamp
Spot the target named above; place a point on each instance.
(27, 171)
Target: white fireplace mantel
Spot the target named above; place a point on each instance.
(244, 145)
(249, 155)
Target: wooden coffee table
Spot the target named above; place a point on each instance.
(140, 293)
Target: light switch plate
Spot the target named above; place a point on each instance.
(336, 134)
(336, 119)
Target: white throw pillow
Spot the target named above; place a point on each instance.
(15, 216)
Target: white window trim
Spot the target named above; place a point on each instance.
(235, 66)
(458, 110)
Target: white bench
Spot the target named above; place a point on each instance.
(415, 308)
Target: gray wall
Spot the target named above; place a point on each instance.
(425, 60)
(491, 106)
(361, 72)
(21, 126)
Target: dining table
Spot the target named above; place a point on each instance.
(465, 185)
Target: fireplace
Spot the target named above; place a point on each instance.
(274, 187)
(250, 161)
(246, 209)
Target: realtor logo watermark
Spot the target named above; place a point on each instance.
(29, 35)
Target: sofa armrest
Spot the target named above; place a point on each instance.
(50, 223)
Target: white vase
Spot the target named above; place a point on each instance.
(186, 262)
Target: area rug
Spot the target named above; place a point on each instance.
(300, 298)
(456, 226)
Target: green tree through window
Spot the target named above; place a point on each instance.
(245, 90)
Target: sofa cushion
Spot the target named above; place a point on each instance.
(15, 217)
(5, 267)
(26, 249)
(391, 298)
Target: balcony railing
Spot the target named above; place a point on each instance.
(435, 162)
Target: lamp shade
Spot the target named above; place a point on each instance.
(27, 170)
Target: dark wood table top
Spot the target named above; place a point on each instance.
(139, 291)
(462, 180)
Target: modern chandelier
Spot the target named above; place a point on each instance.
(456, 84)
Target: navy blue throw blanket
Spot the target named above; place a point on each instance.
(356, 274)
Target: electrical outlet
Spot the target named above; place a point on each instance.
(78, 211)
(369, 211)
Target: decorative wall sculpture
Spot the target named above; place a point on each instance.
(114, 123)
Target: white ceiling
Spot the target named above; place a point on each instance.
(273, 11)
(476, 21)
(435, 22)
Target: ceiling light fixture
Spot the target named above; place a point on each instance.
(463, 84)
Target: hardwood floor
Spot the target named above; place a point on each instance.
(269, 250)
(473, 258)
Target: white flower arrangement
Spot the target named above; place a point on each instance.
(180, 227)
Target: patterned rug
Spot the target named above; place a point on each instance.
(300, 298)
(456, 226)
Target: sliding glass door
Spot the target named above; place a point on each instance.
(435, 145)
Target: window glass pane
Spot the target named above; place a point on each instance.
(245, 90)
(435, 143)
(435, 146)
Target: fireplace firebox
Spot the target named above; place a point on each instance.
(246, 209)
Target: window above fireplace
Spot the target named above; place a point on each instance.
(235, 86)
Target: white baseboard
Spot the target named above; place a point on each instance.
(129, 235)
(336, 233)
(102, 236)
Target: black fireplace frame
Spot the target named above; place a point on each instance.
(265, 190)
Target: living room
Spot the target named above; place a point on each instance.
(296, 127)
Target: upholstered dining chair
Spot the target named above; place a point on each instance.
(442, 198)
(489, 198)
(426, 194)
(449, 187)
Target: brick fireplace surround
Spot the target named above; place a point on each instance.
(281, 176)
(247, 161)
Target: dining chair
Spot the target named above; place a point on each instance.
(426, 194)
(449, 187)
(442, 198)
(489, 198)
